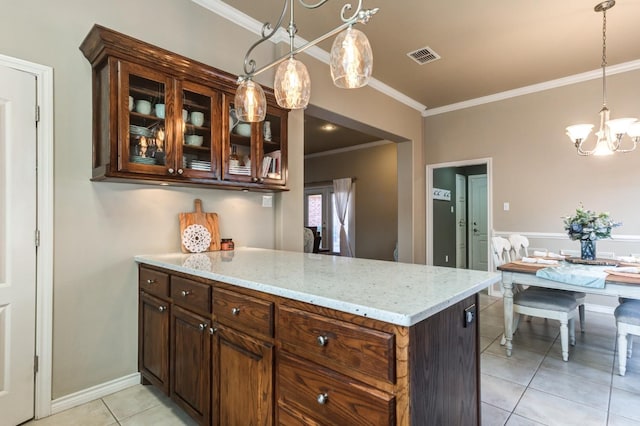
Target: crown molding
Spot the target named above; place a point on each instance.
(526, 90)
(252, 25)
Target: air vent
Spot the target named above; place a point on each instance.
(423, 55)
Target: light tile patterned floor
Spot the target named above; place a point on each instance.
(532, 387)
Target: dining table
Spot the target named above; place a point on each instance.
(616, 284)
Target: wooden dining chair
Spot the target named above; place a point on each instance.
(628, 324)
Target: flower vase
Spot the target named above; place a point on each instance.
(588, 249)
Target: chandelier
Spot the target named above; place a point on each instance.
(351, 63)
(610, 137)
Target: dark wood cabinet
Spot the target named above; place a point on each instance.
(240, 357)
(153, 345)
(191, 363)
(243, 379)
(161, 118)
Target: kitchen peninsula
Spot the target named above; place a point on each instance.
(256, 336)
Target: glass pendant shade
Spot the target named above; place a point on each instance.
(250, 102)
(351, 59)
(292, 85)
(634, 131)
(579, 132)
(619, 126)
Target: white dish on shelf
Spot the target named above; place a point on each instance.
(243, 129)
(194, 140)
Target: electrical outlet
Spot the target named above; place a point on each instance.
(267, 201)
(505, 207)
(469, 315)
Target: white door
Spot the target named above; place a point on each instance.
(17, 245)
(478, 223)
(461, 221)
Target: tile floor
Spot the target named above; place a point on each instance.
(533, 387)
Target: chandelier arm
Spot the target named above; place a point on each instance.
(267, 32)
(300, 49)
(348, 7)
(633, 148)
(312, 6)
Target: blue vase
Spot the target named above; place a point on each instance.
(588, 249)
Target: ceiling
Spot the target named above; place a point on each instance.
(486, 47)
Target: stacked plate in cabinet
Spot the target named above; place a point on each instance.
(199, 165)
(140, 131)
(240, 170)
(142, 160)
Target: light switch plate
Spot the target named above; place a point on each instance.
(267, 201)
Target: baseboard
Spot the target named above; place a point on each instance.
(93, 393)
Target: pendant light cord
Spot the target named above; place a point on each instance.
(604, 58)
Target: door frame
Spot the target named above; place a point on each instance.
(44, 258)
(429, 201)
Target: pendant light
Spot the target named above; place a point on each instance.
(351, 65)
(609, 138)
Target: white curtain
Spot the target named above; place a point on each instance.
(344, 191)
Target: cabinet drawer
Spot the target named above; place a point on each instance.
(154, 282)
(191, 294)
(329, 398)
(337, 343)
(243, 312)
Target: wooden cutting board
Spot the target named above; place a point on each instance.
(208, 220)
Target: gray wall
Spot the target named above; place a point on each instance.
(375, 170)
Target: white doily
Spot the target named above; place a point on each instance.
(196, 238)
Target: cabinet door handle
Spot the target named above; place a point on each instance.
(322, 398)
(150, 281)
(235, 311)
(162, 308)
(170, 170)
(180, 171)
(213, 330)
(322, 340)
(185, 293)
(202, 326)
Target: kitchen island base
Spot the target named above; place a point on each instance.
(232, 355)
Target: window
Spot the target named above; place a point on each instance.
(319, 213)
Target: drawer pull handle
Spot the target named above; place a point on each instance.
(213, 330)
(322, 398)
(235, 311)
(202, 326)
(162, 308)
(322, 340)
(151, 281)
(185, 293)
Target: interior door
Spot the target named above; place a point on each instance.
(478, 223)
(18, 250)
(461, 221)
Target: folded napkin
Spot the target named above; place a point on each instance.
(629, 259)
(576, 274)
(538, 260)
(537, 253)
(627, 269)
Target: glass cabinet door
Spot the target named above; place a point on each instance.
(272, 147)
(239, 149)
(200, 132)
(145, 131)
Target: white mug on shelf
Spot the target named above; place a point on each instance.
(197, 118)
(159, 110)
(143, 107)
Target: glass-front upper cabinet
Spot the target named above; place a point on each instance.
(146, 130)
(255, 152)
(167, 134)
(200, 131)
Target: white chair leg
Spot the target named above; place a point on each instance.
(581, 312)
(622, 350)
(564, 340)
(572, 331)
(629, 345)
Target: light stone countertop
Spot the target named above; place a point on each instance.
(398, 293)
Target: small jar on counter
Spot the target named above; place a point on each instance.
(226, 244)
